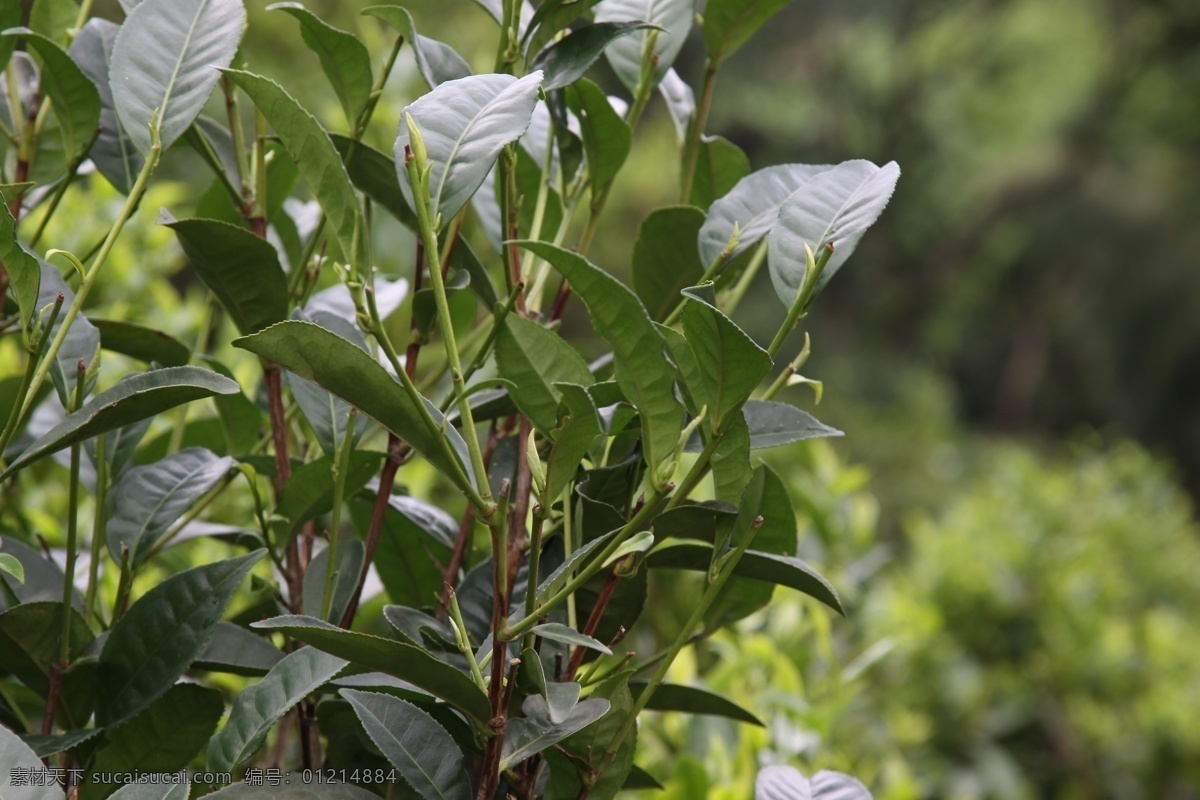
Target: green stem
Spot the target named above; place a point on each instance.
(464, 646)
(747, 277)
(535, 558)
(89, 277)
(99, 521)
(691, 151)
(14, 416)
(340, 469)
(485, 349)
(803, 297)
(709, 274)
(61, 189)
(68, 591)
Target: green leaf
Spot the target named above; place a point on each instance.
(73, 96)
(309, 492)
(237, 651)
(731, 364)
(557, 632)
(82, 342)
(142, 343)
(345, 579)
(416, 541)
(162, 634)
(162, 738)
(16, 754)
(731, 462)
(312, 149)
(344, 59)
(163, 62)
(465, 124)
(436, 62)
(571, 444)
(536, 731)
(534, 359)
(692, 700)
(781, 570)
(9, 564)
(241, 420)
(551, 17)
(30, 646)
(259, 706)
(606, 137)
(150, 791)
(133, 398)
(729, 23)
(401, 660)
(674, 17)
(328, 415)
(51, 744)
(621, 319)
(146, 501)
(374, 173)
(24, 269)
(10, 17)
(43, 578)
(293, 789)
(342, 368)
(113, 153)
(835, 207)
(428, 758)
(665, 258)
(720, 164)
(773, 424)
(242, 271)
(565, 61)
(584, 752)
(53, 18)
(752, 206)
(781, 782)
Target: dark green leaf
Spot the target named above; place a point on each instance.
(414, 743)
(162, 738)
(312, 149)
(140, 342)
(82, 342)
(665, 259)
(242, 271)
(51, 744)
(343, 57)
(30, 646)
(782, 570)
(731, 462)
(345, 579)
(692, 700)
(720, 164)
(147, 500)
(162, 634)
(638, 780)
(622, 320)
(404, 661)
(729, 23)
(337, 365)
(584, 752)
(328, 415)
(534, 359)
(606, 137)
(133, 398)
(835, 208)
(565, 61)
(731, 364)
(237, 651)
(437, 62)
(536, 731)
(551, 17)
(259, 706)
(375, 174)
(163, 61)
(241, 420)
(72, 94)
(24, 270)
(293, 789)
(410, 554)
(309, 492)
(10, 17)
(113, 153)
(557, 632)
(673, 17)
(43, 578)
(465, 124)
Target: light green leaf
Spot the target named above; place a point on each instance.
(729, 23)
(557, 632)
(674, 17)
(16, 754)
(146, 501)
(162, 634)
(693, 700)
(53, 18)
(344, 59)
(428, 758)
(401, 660)
(720, 164)
(163, 61)
(534, 359)
(259, 706)
(312, 149)
(437, 62)
(161, 738)
(638, 349)
(465, 124)
(835, 207)
(133, 398)
(335, 364)
(731, 364)
(242, 271)
(114, 154)
(10, 565)
(606, 137)
(72, 95)
(752, 206)
(772, 424)
(665, 258)
(24, 270)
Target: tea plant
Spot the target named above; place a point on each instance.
(485, 678)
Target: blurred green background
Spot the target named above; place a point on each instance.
(1014, 352)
